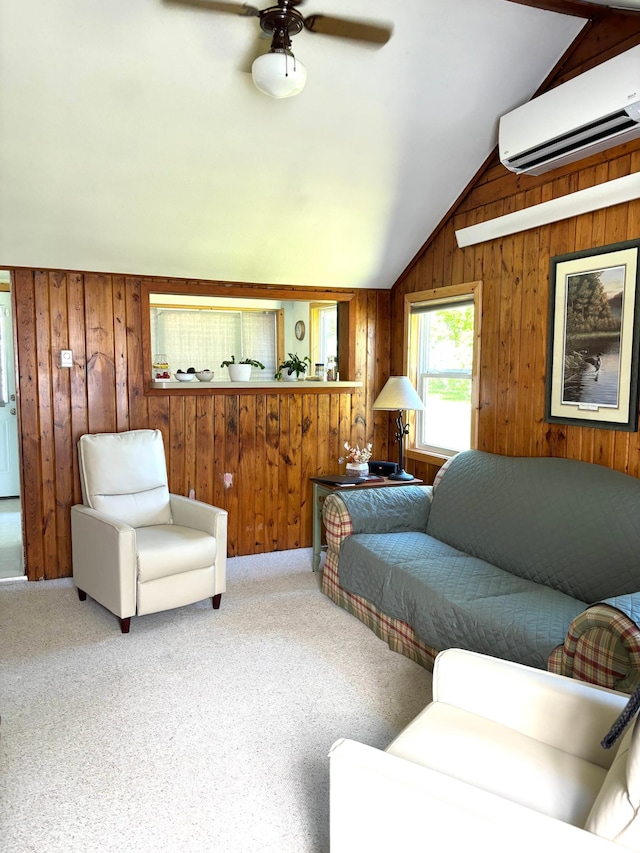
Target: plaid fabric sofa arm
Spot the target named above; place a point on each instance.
(337, 521)
(602, 647)
(381, 510)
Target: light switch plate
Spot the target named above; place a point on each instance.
(66, 358)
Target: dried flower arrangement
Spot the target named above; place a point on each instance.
(356, 454)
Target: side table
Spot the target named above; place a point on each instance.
(322, 489)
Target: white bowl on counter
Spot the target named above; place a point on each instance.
(204, 375)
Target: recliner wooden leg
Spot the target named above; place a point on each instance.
(124, 624)
(82, 595)
(216, 601)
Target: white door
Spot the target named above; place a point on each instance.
(9, 469)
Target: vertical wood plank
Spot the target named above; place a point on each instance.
(296, 495)
(120, 352)
(32, 505)
(247, 474)
(78, 373)
(260, 492)
(309, 462)
(273, 430)
(138, 410)
(63, 446)
(214, 451)
(190, 443)
(101, 397)
(231, 407)
(175, 449)
(46, 437)
(529, 332)
(284, 462)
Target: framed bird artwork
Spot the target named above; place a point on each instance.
(592, 359)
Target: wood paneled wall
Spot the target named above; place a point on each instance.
(271, 443)
(515, 275)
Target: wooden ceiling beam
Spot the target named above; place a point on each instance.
(590, 11)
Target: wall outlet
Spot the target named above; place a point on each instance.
(66, 358)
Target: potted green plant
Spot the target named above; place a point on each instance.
(240, 371)
(292, 367)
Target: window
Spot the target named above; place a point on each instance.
(202, 330)
(204, 337)
(324, 332)
(262, 322)
(443, 327)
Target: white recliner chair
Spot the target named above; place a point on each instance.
(137, 548)
(505, 758)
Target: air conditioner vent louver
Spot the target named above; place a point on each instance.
(587, 114)
(575, 140)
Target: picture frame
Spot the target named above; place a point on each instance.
(594, 338)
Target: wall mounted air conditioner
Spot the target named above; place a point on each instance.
(591, 112)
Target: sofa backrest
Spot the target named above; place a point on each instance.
(570, 525)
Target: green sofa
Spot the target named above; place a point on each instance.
(535, 560)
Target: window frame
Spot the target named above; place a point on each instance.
(178, 287)
(448, 295)
(315, 325)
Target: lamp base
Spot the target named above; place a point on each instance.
(401, 475)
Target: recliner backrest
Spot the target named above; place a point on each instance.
(124, 475)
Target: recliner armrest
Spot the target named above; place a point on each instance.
(210, 519)
(563, 712)
(199, 515)
(104, 559)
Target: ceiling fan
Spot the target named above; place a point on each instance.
(278, 73)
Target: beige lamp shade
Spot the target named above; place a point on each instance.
(398, 394)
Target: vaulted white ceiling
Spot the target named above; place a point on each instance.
(132, 139)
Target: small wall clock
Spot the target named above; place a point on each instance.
(300, 330)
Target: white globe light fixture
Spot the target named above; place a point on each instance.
(279, 74)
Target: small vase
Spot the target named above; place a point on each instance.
(357, 469)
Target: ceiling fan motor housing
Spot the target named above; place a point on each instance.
(282, 17)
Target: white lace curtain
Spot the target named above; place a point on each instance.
(204, 338)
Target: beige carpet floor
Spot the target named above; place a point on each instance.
(201, 730)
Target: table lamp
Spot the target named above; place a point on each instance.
(398, 395)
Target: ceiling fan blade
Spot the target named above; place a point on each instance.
(244, 10)
(343, 28)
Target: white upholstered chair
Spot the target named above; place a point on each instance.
(505, 758)
(137, 548)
